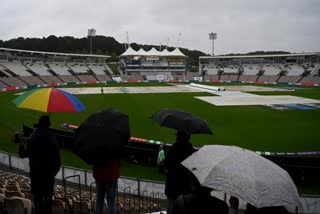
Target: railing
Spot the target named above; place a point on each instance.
(85, 177)
(310, 204)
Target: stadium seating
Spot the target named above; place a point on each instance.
(78, 68)
(248, 78)
(213, 70)
(69, 78)
(39, 72)
(32, 80)
(289, 79)
(233, 69)
(295, 70)
(268, 78)
(315, 69)
(59, 68)
(86, 78)
(68, 199)
(58, 206)
(251, 69)
(2, 70)
(124, 77)
(103, 77)
(230, 76)
(51, 79)
(108, 69)
(17, 205)
(272, 69)
(97, 69)
(3, 84)
(38, 68)
(16, 67)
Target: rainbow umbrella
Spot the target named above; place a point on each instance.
(49, 100)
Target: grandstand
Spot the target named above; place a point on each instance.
(153, 64)
(294, 68)
(24, 67)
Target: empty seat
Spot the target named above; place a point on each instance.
(81, 207)
(10, 194)
(17, 205)
(12, 188)
(58, 206)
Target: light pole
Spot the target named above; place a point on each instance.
(91, 33)
(212, 36)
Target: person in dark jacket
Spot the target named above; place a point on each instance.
(106, 175)
(44, 161)
(179, 179)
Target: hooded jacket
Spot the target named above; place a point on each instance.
(179, 178)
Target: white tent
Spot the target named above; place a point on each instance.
(177, 52)
(129, 52)
(153, 52)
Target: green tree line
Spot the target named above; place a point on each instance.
(101, 45)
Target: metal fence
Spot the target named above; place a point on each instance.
(140, 187)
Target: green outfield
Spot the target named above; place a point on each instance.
(254, 127)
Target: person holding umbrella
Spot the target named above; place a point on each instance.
(44, 161)
(106, 175)
(179, 181)
(100, 141)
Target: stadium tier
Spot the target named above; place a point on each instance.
(153, 64)
(23, 67)
(294, 68)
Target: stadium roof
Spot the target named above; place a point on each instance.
(261, 56)
(153, 52)
(53, 53)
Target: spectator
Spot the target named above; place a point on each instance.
(161, 158)
(44, 161)
(106, 175)
(179, 180)
(234, 205)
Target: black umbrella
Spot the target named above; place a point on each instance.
(102, 136)
(182, 121)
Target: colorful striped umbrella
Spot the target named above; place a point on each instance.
(49, 100)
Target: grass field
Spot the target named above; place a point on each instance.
(254, 127)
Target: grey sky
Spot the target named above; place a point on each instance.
(242, 25)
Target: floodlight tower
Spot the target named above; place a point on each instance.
(91, 33)
(212, 36)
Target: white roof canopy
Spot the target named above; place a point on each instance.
(53, 53)
(153, 52)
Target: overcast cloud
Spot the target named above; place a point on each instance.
(242, 25)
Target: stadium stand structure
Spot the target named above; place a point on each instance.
(23, 68)
(293, 68)
(152, 64)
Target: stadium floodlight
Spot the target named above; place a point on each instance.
(91, 33)
(212, 36)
